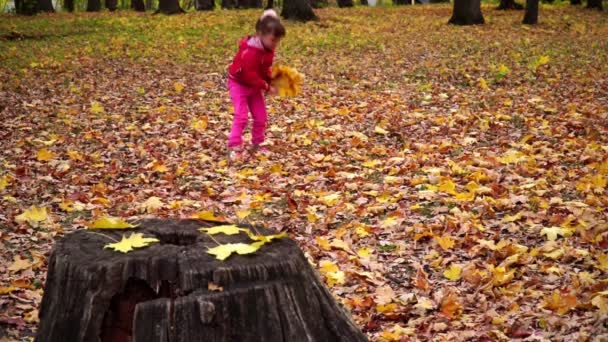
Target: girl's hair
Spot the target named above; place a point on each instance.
(270, 23)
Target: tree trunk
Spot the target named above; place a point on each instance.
(69, 5)
(467, 12)
(364, 3)
(576, 2)
(402, 2)
(229, 4)
(174, 291)
(93, 5)
(345, 3)
(299, 10)
(249, 3)
(205, 5)
(111, 5)
(26, 7)
(597, 4)
(270, 4)
(149, 4)
(138, 5)
(45, 6)
(531, 15)
(169, 7)
(509, 5)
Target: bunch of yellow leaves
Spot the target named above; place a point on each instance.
(286, 80)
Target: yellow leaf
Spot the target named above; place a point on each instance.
(135, 240)
(96, 108)
(75, 155)
(7, 290)
(69, 206)
(200, 124)
(384, 308)
(207, 216)
(31, 316)
(323, 243)
(512, 156)
(44, 155)
(501, 276)
(390, 221)
(287, 81)
(340, 244)
(513, 218)
(450, 306)
(560, 303)
(152, 204)
(446, 242)
(364, 252)
(243, 213)
(33, 215)
(553, 232)
(453, 273)
(380, 130)
(448, 186)
(425, 304)
(222, 252)
(482, 83)
(330, 200)
(19, 264)
(179, 87)
(4, 181)
(225, 229)
(556, 254)
(110, 223)
(601, 303)
(266, 238)
(327, 266)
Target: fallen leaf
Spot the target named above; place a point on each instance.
(222, 252)
(135, 240)
(110, 223)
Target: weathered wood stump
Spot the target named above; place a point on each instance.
(175, 291)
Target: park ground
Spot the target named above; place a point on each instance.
(447, 182)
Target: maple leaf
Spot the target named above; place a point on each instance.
(331, 199)
(266, 238)
(225, 229)
(222, 252)
(6, 290)
(135, 240)
(445, 241)
(513, 218)
(4, 181)
(44, 155)
(207, 216)
(33, 215)
(380, 130)
(287, 81)
(421, 281)
(332, 273)
(242, 213)
(200, 124)
(70, 206)
(110, 223)
(19, 264)
(553, 232)
(323, 243)
(560, 303)
(152, 204)
(96, 108)
(453, 273)
(450, 306)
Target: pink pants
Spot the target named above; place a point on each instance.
(246, 99)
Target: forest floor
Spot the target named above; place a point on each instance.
(450, 183)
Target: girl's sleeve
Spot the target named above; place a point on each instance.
(249, 72)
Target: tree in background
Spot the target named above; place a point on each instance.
(509, 5)
(467, 12)
(299, 10)
(204, 5)
(138, 5)
(93, 5)
(111, 5)
(531, 15)
(345, 3)
(575, 2)
(169, 7)
(597, 4)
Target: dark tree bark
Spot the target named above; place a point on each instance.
(319, 3)
(111, 5)
(229, 4)
(249, 3)
(174, 291)
(45, 6)
(270, 4)
(93, 5)
(595, 4)
(69, 5)
(509, 5)
(364, 3)
(345, 3)
(576, 2)
(531, 15)
(169, 7)
(299, 10)
(138, 5)
(205, 5)
(26, 7)
(402, 2)
(149, 4)
(467, 12)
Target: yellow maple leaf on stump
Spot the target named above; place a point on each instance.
(222, 252)
(127, 244)
(110, 223)
(287, 81)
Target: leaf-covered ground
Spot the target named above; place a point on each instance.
(448, 182)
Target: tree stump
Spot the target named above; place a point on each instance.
(174, 290)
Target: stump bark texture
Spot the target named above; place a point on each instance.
(174, 290)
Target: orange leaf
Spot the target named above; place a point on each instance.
(450, 306)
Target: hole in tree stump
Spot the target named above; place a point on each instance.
(118, 320)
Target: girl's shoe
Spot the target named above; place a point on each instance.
(236, 154)
(261, 150)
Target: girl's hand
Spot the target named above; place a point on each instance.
(272, 90)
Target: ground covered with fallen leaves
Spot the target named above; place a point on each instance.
(447, 182)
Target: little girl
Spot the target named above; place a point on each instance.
(249, 80)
